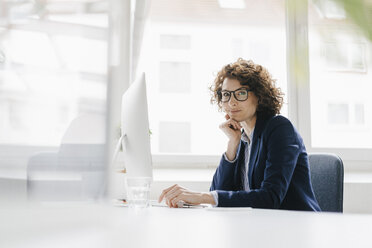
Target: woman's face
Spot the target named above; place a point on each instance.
(239, 110)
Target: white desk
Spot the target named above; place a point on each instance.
(105, 226)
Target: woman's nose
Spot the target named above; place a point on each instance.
(232, 101)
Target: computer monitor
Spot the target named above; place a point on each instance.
(135, 138)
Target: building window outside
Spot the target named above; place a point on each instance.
(190, 47)
(340, 83)
(177, 42)
(348, 57)
(346, 114)
(359, 118)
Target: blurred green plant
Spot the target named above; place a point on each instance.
(360, 13)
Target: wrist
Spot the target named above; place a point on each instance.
(207, 198)
(232, 148)
(232, 145)
(233, 142)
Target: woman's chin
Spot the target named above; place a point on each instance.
(236, 118)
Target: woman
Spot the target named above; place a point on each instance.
(265, 164)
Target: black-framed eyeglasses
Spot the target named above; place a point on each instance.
(240, 94)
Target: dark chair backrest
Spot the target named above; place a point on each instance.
(327, 178)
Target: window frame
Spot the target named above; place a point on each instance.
(299, 104)
(354, 159)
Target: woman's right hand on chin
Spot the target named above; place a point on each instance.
(232, 129)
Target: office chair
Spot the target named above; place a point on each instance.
(327, 178)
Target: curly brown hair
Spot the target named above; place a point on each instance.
(259, 81)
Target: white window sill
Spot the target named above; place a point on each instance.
(358, 177)
(185, 175)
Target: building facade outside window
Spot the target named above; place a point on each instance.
(340, 81)
(182, 52)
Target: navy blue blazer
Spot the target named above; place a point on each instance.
(278, 174)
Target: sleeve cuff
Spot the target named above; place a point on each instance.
(230, 161)
(215, 197)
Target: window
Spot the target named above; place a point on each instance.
(182, 42)
(359, 114)
(340, 83)
(174, 137)
(190, 44)
(175, 77)
(329, 9)
(61, 70)
(237, 47)
(338, 114)
(348, 57)
(342, 114)
(52, 68)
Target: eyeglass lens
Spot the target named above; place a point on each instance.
(239, 94)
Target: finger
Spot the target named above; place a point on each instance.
(162, 196)
(166, 195)
(172, 205)
(165, 192)
(232, 124)
(175, 194)
(169, 203)
(227, 117)
(235, 124)
(172, 194)
(226, 124)
(178, 202)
